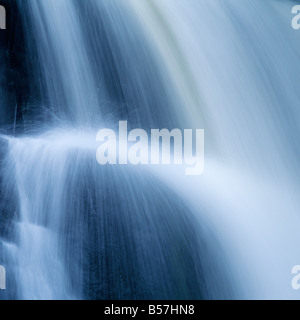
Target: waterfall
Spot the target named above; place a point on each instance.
(72, 229)
(96, 233)
(242, 57)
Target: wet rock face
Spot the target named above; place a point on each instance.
(19, 81)
(12, 66)
(127, 245)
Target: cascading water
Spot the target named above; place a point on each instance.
(72, 229)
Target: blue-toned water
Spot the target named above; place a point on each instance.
(72, 229)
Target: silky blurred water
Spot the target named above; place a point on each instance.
(76, 230)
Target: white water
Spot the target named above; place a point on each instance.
(62, 48)
(41, 173)
(245, 67)
(232, 68)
